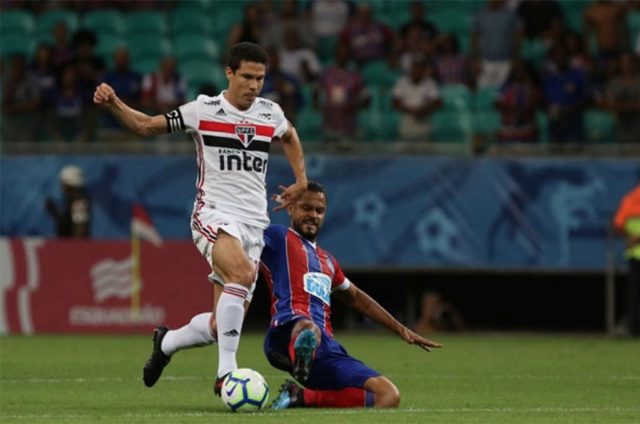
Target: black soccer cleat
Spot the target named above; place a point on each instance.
(217, 386)
(158, 360)
(290, 396)
(305, 349)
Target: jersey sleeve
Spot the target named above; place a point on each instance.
(184, 118)
(282, 124)
(340, 281)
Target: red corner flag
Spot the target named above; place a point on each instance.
(142, 226)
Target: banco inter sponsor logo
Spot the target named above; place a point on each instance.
(242, 162)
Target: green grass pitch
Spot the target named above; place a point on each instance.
(475, 378)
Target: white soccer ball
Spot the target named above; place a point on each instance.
(244, 390)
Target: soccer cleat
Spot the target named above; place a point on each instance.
(290, 396)
(217, 386)
(158, 360)
(304, 348)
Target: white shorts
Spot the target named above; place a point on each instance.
(205, 225)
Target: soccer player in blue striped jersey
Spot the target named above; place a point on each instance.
(302, 279)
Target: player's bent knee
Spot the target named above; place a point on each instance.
(386, 394)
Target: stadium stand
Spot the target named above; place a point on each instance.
(105, 22)
(47, 20)
(147, 22)
(195, 33)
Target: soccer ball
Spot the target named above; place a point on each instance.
(244, 390)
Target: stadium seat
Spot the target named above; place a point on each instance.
(467, 6)
(104, 22)
(633, 22)
(47, 20)
(196, 6)
(188, 21)
(146, 23)
(378, 73)
(484, 97)
(309, 125)
(534, 52)
(451, 127)
(149, 47)
(107, 44)
(16, 22)
(17, 44)
(326, 49)
(573, 12)
(145, 65)
(226, 17)
(486, 122)
(200, 72)
(543, 127)
(454, 20)
(456, 97)
(599, 126)
(195, 47)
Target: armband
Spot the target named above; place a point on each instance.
(174, 121)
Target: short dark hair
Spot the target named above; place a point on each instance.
(248, 52)
(316, 187)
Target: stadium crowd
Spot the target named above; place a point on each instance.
(525, 71)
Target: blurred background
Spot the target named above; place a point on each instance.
(475, 154)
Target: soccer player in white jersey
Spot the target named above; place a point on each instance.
(232, 132)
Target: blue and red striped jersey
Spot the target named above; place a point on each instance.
(300, 276)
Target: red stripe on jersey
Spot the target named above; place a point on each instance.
(225, 127)
(268, 278)
(298, 266)
(326, 269)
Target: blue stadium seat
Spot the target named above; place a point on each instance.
(453, 20)
(103, 22)
(146, 22)
(145, 47)
(195, 47)
(309, 125)
(17, 44)
(376, 74)
(145, 65)
(599, 126)
(16, 22)
(47, 20)
(483, 98)
(107, 44)
(534, 52)
(200, 72)
(542, 119)
(451, 126)
(486, 122)
(633, 22)
(226, 17)
(188, 21)
(456, 97)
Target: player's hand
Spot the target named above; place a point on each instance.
(416, 339)
(289, 195)
(104, 95)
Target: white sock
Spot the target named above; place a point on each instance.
(196, 333)
(229, 318)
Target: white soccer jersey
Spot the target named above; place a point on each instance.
(232, 153)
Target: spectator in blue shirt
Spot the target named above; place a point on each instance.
(128, 84)
(566, 92)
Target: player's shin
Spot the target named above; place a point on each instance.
(229, 318)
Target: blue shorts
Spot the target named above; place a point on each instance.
(332, 368)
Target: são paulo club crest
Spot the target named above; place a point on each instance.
(245, 133)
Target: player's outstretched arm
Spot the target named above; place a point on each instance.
(367, 306)
(135, 121)
(293, 151)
